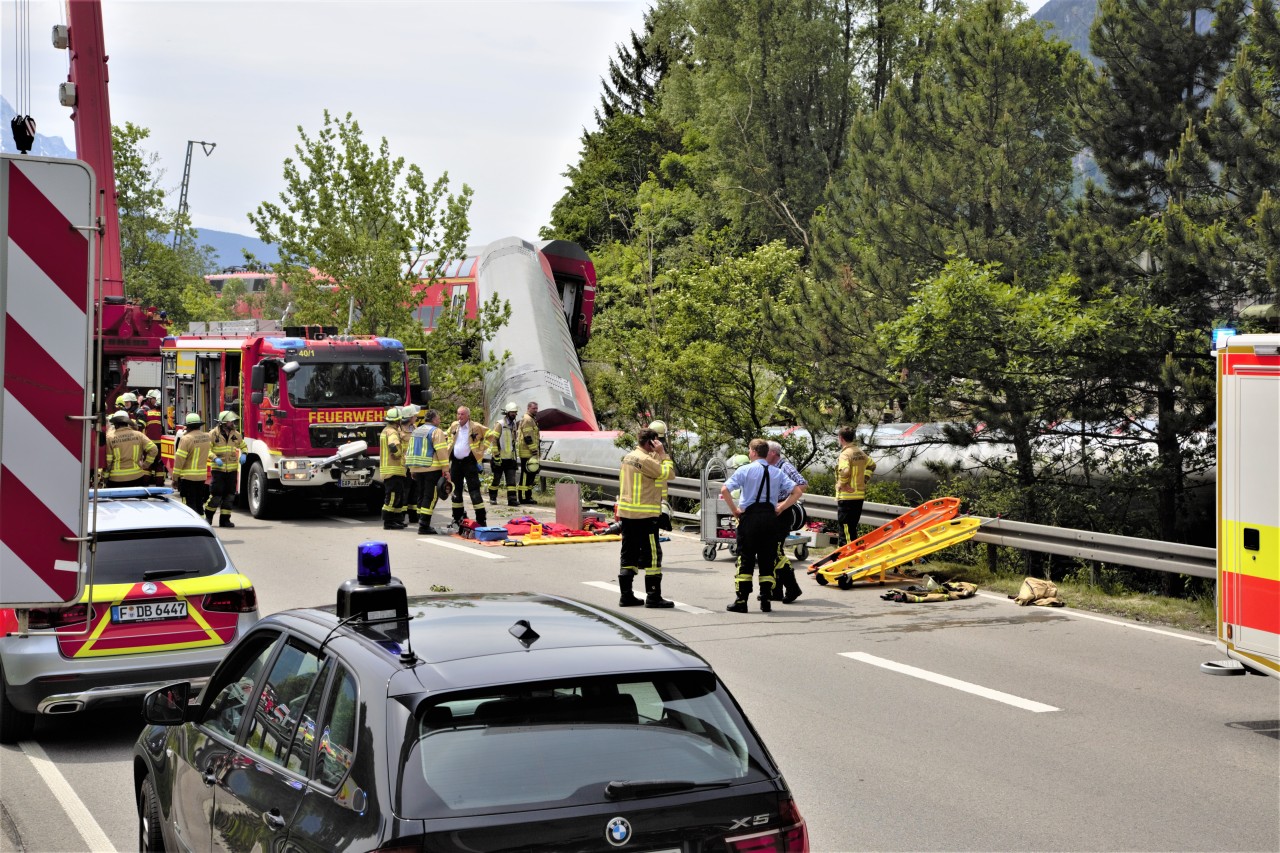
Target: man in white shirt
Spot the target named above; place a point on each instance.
(466, 449)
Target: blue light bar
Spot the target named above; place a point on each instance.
(390, 343)
(373, 564)
(130, 492)
(287, 343)
(1220, 336)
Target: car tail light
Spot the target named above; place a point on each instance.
(62, 617)
(792, 837)
(233, 601)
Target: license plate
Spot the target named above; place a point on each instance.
(353, 480)
(149, 611)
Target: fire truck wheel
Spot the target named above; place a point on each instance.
(260, 500)
(15, 725)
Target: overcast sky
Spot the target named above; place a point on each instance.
(495, 92)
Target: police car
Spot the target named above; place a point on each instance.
(457, 722)
(165, 604)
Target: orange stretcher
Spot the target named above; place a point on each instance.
(900, 549)
(926, 515)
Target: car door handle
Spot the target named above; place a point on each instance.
(273, 819)
(209, 779)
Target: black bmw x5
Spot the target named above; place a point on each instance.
(458, 722)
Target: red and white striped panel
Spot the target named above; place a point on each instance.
(46, 287)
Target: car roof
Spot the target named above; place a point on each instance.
(115, 513)
(466, 640)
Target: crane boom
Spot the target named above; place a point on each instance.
(91, 112)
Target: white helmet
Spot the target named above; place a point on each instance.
(153, 394)
(511, 407)
(126, 397)
(660, 427)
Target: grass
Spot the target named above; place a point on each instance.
(1195, 614)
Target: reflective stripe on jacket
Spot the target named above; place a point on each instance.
(391, 452)
(502, 442)
(639, 484)
(227, 446)
(191, 456)
(528, 429)
(852, 470)
(424, 454)
(129, 454)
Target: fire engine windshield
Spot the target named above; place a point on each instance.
(331, 384)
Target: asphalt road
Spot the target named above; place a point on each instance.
(968, 725)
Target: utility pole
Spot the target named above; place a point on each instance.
(186, 180)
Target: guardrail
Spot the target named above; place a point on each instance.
(1194, 560)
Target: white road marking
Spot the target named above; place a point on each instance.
(94, 837)
(948, 681)
(1078, 614)
(616, 590)
(466, 549)
(344, 520)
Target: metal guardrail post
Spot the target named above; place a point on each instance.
(1152, 554)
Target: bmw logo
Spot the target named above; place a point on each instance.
(149, 588)
(618, 831)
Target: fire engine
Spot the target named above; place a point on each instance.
(311, 404)
(1248, 600)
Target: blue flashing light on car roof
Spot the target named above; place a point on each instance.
(130, 492)
(373, 566)
(287, 343)
(390, 343)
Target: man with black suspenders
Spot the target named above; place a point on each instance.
(765, 493)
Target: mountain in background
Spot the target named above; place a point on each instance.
(44, 146)
(227, 248)
(1070, 20)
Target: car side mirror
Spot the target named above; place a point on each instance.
(424, 384)
(168, 705)
(256, 398)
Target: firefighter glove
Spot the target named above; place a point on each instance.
(244, 457)
(217, 461)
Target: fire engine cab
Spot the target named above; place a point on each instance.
(1248, 505)
(311, 404)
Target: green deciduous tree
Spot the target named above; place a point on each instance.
(358, 231)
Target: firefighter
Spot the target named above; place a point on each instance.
(191, 463)
(785, 588)
(853, 468)
(639, 504)
(664, 518)
(528, 448)
(129, 453)
(151, 420)
(408, 417)
(502, 447)
(428, 462)
(466, 449)
(395, 476)
(228, 448)
(127, 403)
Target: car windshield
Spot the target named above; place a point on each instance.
(547, 745)
(132, 556)
(330, 384)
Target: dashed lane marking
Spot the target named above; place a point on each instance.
(948, 681)
(475, 551)
(1076, 613)
(616, 590)
(94, 837)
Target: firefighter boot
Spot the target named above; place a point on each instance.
(208, 517)
(790, 587)
(766, 597)
(653, 592)
(740, 602)
(224, 520)
(482, 516)
(627, 599)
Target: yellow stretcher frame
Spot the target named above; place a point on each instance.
(519, 541)
(896, 551)
(927, 514)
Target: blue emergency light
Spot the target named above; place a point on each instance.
(1220, 336)
(373, 567)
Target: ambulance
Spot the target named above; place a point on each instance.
(1248, 597)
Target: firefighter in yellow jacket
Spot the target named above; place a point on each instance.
(853, 468)
(503, 439)
(640, 479)
(227, 449)
(528, 448)
(427, 458)
(191, 463)
(129, 453)
(395, 475)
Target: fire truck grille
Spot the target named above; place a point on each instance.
(327, 436)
